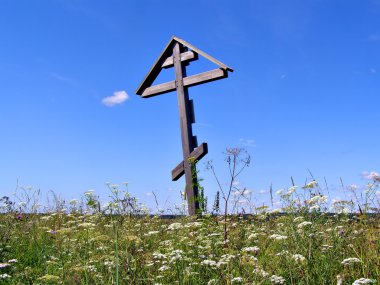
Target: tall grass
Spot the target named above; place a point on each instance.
(85, 243)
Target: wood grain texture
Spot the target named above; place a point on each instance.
(188, 81)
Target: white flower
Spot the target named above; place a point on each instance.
(297, 219)
(277, 279)
(371, 176)
(317, 199)
(253, 249)
(363, 281)
(315, 207)
(209, 262)
(298, 257)
(311, 184)
(252, 236)
(4, 276)
(175, 226)
(236, 279)
(277, 237)
(261, 272)
(89, 193)
(350, 260)
(304, 224)
(279, 192)
(291, 190)
(163, 268)
(3, 265)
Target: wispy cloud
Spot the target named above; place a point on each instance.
(118, 97)
(64, 79)
(247, 142)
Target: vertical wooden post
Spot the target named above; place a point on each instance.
(188, 141)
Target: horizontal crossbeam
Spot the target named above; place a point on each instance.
(188, 81)
(197, 154)
(185, 56)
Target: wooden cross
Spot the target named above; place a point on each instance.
(178, 53)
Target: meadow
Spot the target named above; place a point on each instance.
(307, 241)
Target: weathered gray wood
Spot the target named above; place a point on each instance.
(188, 81)
(205, 77)
(167, 52)
(205, 55)
(185, 57)
(186, 132)
(158, 89)
(197, 154)
(176, 54)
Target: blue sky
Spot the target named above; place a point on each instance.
(304, 94)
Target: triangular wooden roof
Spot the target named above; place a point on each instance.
(168, 50)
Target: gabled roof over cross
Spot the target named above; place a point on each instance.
(165, 60)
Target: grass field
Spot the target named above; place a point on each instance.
(92, 246)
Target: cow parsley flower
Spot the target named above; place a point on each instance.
(277, 279)
(253, 249)
(304, 224)
(175, 226)
(350, 260)
(277, 237)
(363, 281)
(298, 257)
(4, 276)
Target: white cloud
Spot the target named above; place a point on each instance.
(247, 142)
(118, 97)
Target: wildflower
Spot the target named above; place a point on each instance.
(209, 262)
(291, 190)
(175, 226)
(275, 211)
(371, 176)
(89, 193)
(252, 236)
(351, 260)
(279, 192)
(236, 279)
(277, 237)
(304, 224)
(253, 249)
(297, 219)
(13, 261)
(339, 280)
(261, 272)
(73, 202)
(317, 199)
(3, 265)
(151, 233)
(298, 257)
(315, 207)
(311, 184)
(4, 276)
(163, 268)
(277, 279)
(363, 281)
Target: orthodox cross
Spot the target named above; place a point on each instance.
(178, 53)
